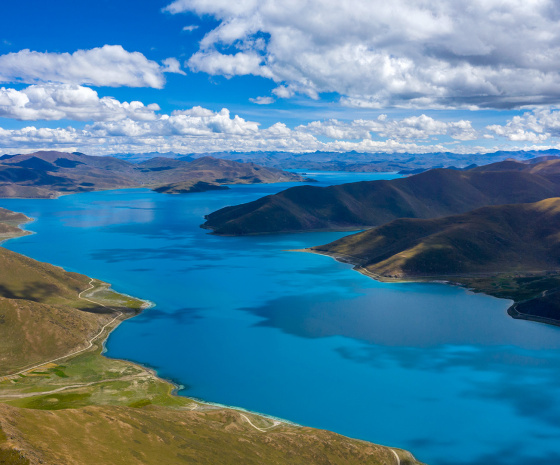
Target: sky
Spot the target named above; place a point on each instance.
(193, 76)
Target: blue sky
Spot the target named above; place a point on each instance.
(212, 75)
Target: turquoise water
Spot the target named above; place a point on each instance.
(243, 321)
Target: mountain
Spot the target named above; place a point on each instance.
(373, 162)
(153, 435)
(209, 169)
(139, 157)
(50, 174)
(431, 194)
(516, 238)
(510, 251)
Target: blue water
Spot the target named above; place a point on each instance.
(243, 321)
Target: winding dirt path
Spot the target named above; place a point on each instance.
(64, 388)
(90, 342)
(396, 456)
(262, 430)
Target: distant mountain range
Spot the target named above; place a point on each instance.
(356, 161)
(431, 194)
(50, 174)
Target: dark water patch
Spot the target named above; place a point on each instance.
(525, 397)
(180, 316)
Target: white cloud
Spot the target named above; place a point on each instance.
(213, 62)
(172, 65)
(414, 127)
(374, 53)
(67, 101)
(202, 130)
(190, 28)
(195, 122)
(535, 126)
(110, 65)
(262, 100)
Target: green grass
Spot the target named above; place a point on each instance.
(116, 383)
(517, 288)
(12, 457)
(56, 401)
(58, 372)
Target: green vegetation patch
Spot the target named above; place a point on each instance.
(56, 401)
(514, 287)
(12, 457)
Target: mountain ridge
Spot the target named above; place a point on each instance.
(433, 193)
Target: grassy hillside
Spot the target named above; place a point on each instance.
(152, 435)
(431, 194)
(498, 239)
(510, 251)
(41, 314)
(49, 174)
(63, 402)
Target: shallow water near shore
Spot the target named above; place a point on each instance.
(431, 368)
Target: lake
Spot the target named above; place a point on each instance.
(244, 321)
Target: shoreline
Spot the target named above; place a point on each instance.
(146, 305)
(511, 311)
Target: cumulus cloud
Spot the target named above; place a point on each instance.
(172, 65)
(262, 100)
(414, 127)
(241, 63)
(68, 101)
(535, 126)
(195, 122)
(110, 65)
(202, 130)
(374, 53)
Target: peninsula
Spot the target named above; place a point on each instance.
(509, 251)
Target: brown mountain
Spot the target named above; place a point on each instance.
(510, 251)
(50, 174)
(490, 240)
(431, 194)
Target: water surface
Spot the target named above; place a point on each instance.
(241, 321)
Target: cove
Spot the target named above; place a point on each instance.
(435, 369)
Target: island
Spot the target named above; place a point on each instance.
(186, 187)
